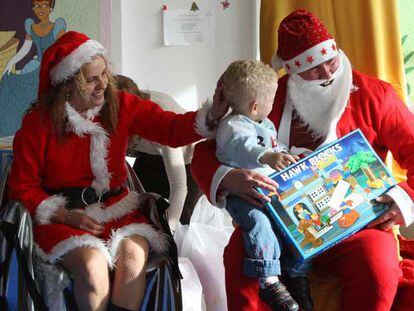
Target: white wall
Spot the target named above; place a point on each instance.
(187, 73)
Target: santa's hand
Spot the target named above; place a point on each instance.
(242, 183)
(81, 221)
(390, 218)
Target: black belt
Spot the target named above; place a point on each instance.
(78, 197)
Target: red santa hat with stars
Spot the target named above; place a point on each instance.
(63, 59)
(303, 43)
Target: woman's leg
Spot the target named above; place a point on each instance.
(89, 270)
(129, 280)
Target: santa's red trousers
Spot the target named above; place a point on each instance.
(366, 264)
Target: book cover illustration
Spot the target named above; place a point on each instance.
(329, 194)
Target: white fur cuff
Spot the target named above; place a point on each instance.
(86, 240)
(215, 183)
(404, 202)
(117, 210)
(201, 121)
(48, 207)
(157, 240)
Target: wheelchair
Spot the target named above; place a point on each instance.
(27, 282)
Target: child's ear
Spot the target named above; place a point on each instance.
(253, 108)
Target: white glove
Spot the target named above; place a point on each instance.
(25, 49)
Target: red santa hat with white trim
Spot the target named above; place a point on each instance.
(64, 58)
(303, 43)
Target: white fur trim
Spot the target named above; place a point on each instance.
(103, 214)
(215, 183)
(404, 202)
(312, 57)
(98, 148)
(48, 207)
(157, 240)
(201, 120)
(277, 62)
(71, 64)
(85, 240)
(40, 253)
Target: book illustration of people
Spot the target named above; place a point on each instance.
(329, 195)
(19, 65)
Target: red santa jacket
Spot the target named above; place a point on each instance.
(88, 155)
(373, 107)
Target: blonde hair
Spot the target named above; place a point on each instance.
(54, 102)
(245, 81)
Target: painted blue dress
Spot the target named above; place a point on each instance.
(18, 91)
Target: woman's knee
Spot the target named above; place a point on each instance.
(89, 266)
(132, 254)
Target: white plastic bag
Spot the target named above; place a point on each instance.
(193, 298)
(203, 242)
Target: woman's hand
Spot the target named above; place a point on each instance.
(220, 105)
(77, 219)
(242, 182)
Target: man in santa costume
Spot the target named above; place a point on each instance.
(321, 99)
(69, 171)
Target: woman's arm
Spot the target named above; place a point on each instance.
(24, 50)
(177, 179)
(151, 122)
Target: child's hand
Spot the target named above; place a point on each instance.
(278, 161)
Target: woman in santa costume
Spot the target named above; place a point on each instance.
(69, 171)
(321, 99)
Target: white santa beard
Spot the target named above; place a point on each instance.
(317, 106)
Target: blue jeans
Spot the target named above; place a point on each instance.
(260, 242)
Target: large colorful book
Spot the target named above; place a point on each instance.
(329, 195)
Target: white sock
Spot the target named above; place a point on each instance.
(263, 282)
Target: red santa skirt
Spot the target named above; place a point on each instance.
(56, 240)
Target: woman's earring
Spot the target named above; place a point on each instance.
(67, 97)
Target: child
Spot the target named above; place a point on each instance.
(247, 139)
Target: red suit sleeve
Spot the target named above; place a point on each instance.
(151, 122)
(204, 165)
(29, 147)
(396, 131)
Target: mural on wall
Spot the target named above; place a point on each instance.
(406, 11)
(27, 29)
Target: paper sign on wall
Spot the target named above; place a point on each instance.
(185, 27)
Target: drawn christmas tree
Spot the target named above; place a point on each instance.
(194, 7)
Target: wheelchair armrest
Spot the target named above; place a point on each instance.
(3, 183)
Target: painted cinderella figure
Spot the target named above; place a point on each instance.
(19, 89)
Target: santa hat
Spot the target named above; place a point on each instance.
(303, 43)
(63, 59)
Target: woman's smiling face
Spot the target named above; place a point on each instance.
(96, 80)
